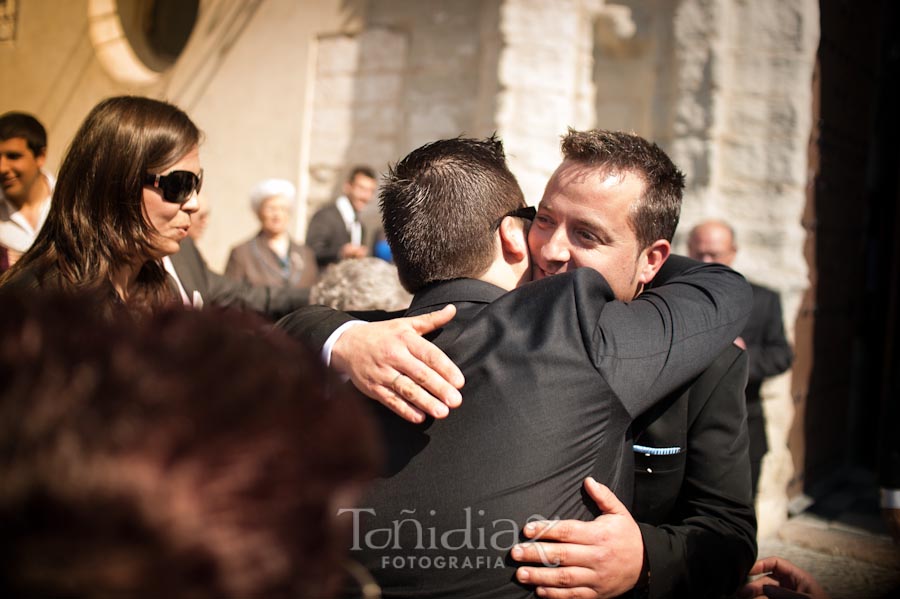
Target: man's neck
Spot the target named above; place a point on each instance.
(33, 200)
(505, 276)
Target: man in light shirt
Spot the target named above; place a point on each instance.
(25, 188)
(335, 232)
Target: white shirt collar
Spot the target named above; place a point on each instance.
(16, 232)
(347, 212)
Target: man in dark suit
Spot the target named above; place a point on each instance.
(692, 493)
(531, 421)
(769, 352)
(335, 231)
(198, 285)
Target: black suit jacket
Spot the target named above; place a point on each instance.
(218, 290)
(767, 347)
(769, 354)
(555, 372)
(326, 235)
(694, 506)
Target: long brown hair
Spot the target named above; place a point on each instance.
(96, 224)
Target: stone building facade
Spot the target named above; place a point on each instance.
(304, 90)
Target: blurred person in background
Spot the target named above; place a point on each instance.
(767, 347)
(363, 284)
(271, 257)
(335, 231)
(200, 220)
(25, 188)
(126, 191)
(187, 454)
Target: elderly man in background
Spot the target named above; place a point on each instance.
(763, 337)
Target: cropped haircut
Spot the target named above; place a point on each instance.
(655, 214)
(361, 170)
(97, 224)
(440, 207)
(21, 124)
(187, 454)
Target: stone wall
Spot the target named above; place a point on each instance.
(741, 131)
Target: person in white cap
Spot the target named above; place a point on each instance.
(271, 257)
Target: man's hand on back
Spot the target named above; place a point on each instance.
(597, 559)
(390, 362)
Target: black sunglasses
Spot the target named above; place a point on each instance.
(178, 186)
(526, 212)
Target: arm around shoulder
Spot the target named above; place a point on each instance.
(673, 331)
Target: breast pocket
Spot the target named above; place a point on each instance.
(657, 481)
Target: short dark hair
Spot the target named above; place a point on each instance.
(655, 215)
(361, 170)
(439, 207)
(24, 125)
(187, 454)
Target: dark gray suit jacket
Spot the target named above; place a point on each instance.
(770, 354)
(555, 373)
(218, 290)
(694, 506)
(327, 234)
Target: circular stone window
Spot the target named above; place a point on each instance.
(137, 40)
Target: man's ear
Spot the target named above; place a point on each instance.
(652, 259)
(41, 158)
(513, 239)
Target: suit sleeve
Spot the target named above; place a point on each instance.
(320, 238)
(234, 269)
(312, 325)
(708, 544)
(273, 302)
(772, 354)
(649, 347)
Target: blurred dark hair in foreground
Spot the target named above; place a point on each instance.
(186, 454)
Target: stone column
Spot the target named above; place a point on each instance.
(742, 124)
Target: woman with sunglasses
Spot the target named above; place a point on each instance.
(123, 201)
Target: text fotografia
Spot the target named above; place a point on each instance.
(410, 533)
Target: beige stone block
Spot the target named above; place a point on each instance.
(428, 123)
(337, 55)
(760, 116)
(521, 19)
(382, 49)
(693, 115)
(334, 90)
(328, 122)
(332, 148)
(546, 112)
(694, 156)
(770, 74)
(540, 67)
(377, 88)
(377, 119)
(774, 162)
(771, 25)
(771, 502)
